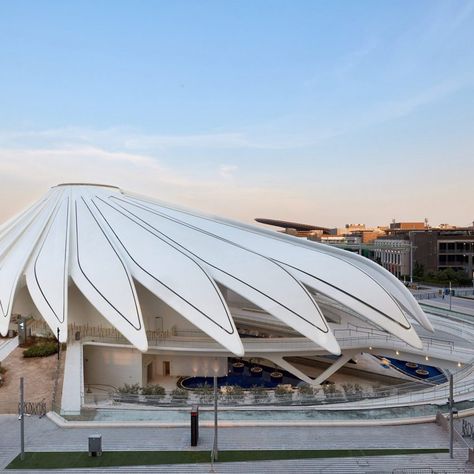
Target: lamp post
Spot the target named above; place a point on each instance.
(21, 330)
(22, 419)
(59, 344)
(215, 420)
(451, 420)
(450, 294)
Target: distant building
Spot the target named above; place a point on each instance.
(434, 249)
(447, 248)
(404, 226)
(295, 228)
(398, 247)
(365, 234)
(393, 255)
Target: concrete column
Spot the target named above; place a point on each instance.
(346, 357)
(289, 368)
(72, 383)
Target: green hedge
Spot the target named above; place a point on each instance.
(154, 390)
(43, 349)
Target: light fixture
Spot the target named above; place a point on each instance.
(427, 358)
(459, 364)
(370, 348)
(396, 352)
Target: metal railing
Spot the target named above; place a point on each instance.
(427, 295)
(33, 408)
(467, 429)
(402, 394)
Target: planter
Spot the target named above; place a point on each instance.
(238, 367)
(422, 372)
(411, 365)
(256, 371)
(276, 376)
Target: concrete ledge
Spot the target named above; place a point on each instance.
(60, 421)
(63, 423)
(7, 347)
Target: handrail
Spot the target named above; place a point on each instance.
(353, 400)
(359, 340)
(452, 313)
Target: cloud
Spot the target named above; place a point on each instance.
(27, 173)
(395, 109)
(272, 135)
(353, 60)
(227, 171)
(132, 140)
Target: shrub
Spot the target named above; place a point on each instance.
(260, 394)
(2, 369)
(43, 349)
(283, 392)
(305, 390)
(331, 392)
(179, 394)
(358, 391)
(348, 389)
(155, 390)
(232, 393)
(131, 389)
(205, 393)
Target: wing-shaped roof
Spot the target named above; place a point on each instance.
(106, 239)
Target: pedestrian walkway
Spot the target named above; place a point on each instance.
(44, 435)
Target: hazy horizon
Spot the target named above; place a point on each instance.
(325, 113)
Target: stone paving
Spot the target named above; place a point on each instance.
(44, 435)
(39, 374)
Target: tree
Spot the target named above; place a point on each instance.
(418, 271)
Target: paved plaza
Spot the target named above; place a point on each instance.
(44, 435)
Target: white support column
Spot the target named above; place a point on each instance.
(72, 383)
(343, 359)
(289, 368)
(332, 369)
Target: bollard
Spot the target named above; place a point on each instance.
(95, 445)
(194, 425)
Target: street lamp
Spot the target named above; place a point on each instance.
(214, 456)
(22, 330)
(214, 449)
(451, 415)
(59, 344)
(450, 295)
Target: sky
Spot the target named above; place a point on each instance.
(324, 112)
